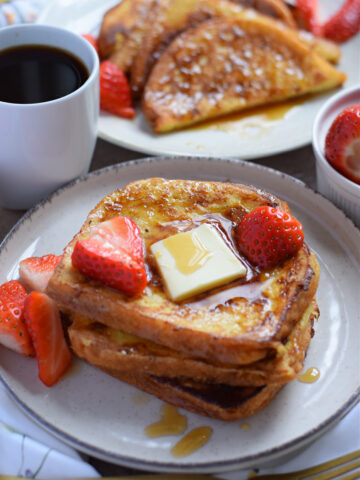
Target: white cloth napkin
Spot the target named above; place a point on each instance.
(20, 11)
(29, 451)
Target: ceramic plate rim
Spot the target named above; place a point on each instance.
(211, 467)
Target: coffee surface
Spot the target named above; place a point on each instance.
(36, 73)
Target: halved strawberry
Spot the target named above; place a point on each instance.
(306, 14)
(345, 23)
(342, 143)
(115, 96)
(13, 331)
(267, 236)
(44, 325)
(113, 254)
(35, 272)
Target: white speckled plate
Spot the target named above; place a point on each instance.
(263, 133)
(104, 417)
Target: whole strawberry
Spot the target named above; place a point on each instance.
(267, 236)
(342, 143)
(115, 91)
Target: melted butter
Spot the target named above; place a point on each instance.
(192, 441)
(171, 423)
(310, 376)
(189, 252)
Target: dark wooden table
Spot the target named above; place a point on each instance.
(299, 163)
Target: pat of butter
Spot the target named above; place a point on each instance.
(195, 261)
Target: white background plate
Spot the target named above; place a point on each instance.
(102, 416)
(251, 137)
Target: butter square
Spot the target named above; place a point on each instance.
(196, 261)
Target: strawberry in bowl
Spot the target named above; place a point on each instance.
(342, 143)
(336, 145)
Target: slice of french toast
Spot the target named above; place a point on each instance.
(240, 323)
(227, 65)
(109, 348)
(122, 30)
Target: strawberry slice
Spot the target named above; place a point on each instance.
(306, 14)
(35, 272)
(345, 23)
(113, 254)
(44, 324)
(115, 94)
(267, 236)
(342, 143)
(13, 331)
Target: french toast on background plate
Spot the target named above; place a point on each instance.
(222, 66)
(122, 30)
(193, 60)
(248, 337)
(172, 17)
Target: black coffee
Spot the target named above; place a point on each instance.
(36, 73)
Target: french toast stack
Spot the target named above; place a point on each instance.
(224, 353)
(192, 60)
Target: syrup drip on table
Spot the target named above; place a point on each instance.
(172, 423)
(192, 441)
(310, 376)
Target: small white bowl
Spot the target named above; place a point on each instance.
(337, 188)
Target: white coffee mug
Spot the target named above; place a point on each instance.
(45, 145)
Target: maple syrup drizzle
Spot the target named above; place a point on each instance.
(192, 441)
(171, 423)
(310, 376)
(249, 291)
(259, 115)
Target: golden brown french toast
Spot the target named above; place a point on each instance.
(122, 30)
(109, 348)
(172, 17)
(240, 323)
(227, 65)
